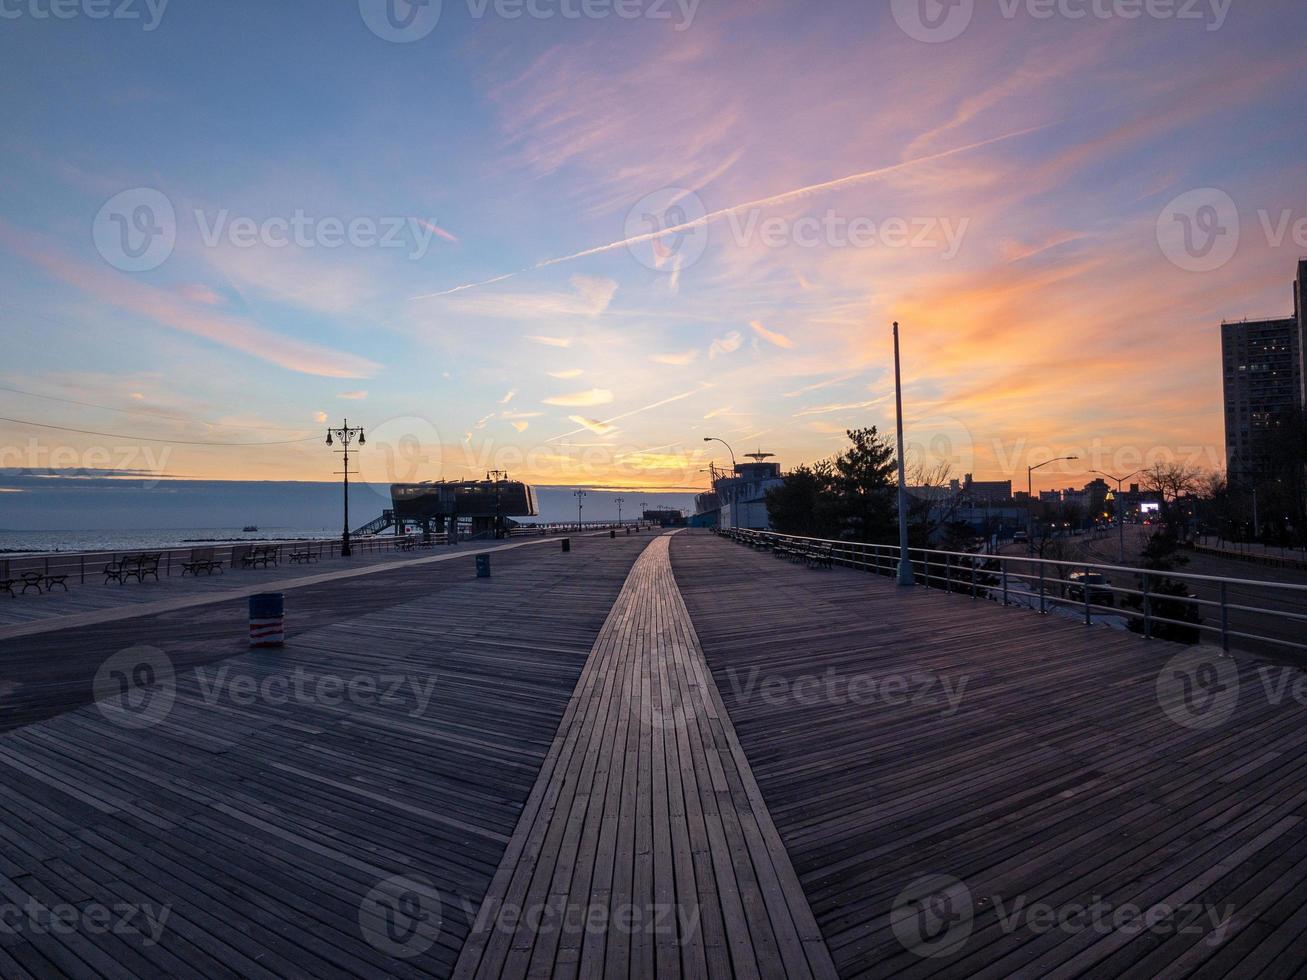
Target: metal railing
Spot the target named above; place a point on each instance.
(79, 565)
(1045, 585)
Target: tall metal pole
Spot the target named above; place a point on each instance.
(735, 517)
(1120, 511)
(905, 561)
(346, 435)
(1030, 493)
(619, 501)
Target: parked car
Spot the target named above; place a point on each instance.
(1098, 584)
(1020, 537)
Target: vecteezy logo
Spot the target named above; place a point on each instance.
(136, 687)
(136, 230)
(401, 916)
(933, 21)
(666, 230)
(1199, 688)
(932, 916)
(1199, 230)
(400, 21)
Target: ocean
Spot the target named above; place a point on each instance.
(46, 513)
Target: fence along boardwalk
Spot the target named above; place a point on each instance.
(1059, 780)
(645, 849)
(265, 825)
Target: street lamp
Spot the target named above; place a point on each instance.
(578, 494)
(346, 435)
(1120, 514)
(619, 501)
(1030, 494)
(735, 517)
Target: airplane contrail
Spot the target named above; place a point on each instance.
(703, 386)
(763, 202)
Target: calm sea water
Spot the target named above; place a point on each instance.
(39, 541)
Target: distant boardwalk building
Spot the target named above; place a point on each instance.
(1265, 382)
(740, 499)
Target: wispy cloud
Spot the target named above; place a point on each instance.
(577, 399)
(353, 396)
(508, 397)
(679, 358)
(550, 341)
(842, 407)
(566, 375)
(775, 200)
(771, 336)
(725, 345)
(591, 425)
(167, 309)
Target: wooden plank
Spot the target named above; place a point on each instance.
(1056, 779)
(645, 818)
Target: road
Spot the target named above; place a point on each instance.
(1105, 552)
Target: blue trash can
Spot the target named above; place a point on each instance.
(268, 619)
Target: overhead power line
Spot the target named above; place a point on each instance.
(135, 438)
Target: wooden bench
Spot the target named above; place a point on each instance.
(202, 560)
(32, 580)
(113, 571)
(819, 556)
(302, 557)
(52, 580)
(259, 557)
(7, 585)
(139, 566)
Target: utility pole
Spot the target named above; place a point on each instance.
(905, 560)
(579, 494)
(346, 435)
(619, 501)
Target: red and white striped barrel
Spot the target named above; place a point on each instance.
(267, 620)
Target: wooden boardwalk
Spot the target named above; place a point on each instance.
(645, 849)
(294, 813)
(945, 773)
(685, 760)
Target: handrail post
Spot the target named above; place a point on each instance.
(1148, 610)
(1041, 588)
(1084, 585)
(1225, 622)
(1002, 566)
(973, 578)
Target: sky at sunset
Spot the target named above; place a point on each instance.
(223, 224)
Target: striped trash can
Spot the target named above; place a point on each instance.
(267, 619)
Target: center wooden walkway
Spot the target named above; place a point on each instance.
(645, 849)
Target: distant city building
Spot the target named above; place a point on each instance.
(1265, 382)
(979, 491)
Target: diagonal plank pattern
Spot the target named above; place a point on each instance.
(277, 796)
(1024, 780)
(644, 848)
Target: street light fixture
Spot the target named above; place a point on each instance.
(579, 494)
(735, 517)
(1030, 499)
(1120, 514)
(346, 435)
